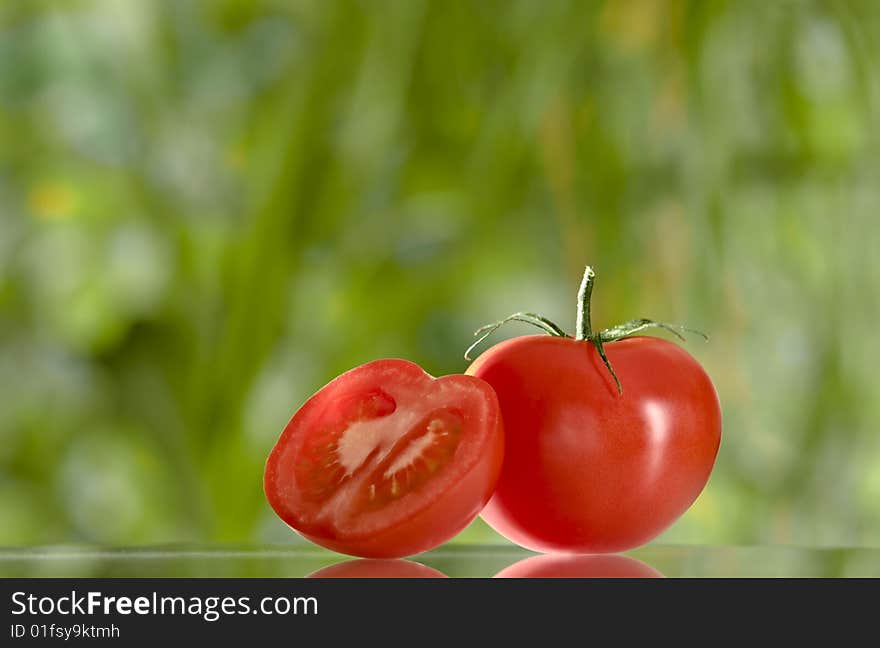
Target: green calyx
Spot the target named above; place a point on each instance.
(584, 327)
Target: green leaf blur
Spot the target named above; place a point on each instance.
(208, 210)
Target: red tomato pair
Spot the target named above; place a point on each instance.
(605, 442)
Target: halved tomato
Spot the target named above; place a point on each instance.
(386, 461)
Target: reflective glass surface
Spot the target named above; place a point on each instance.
(451, 560)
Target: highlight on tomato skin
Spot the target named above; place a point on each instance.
(377, 568)
(579, 566)
(386, 461)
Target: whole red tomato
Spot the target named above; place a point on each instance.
(386, 461)
(607, 440)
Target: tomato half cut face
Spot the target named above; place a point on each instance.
(387, 461)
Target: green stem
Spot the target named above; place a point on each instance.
(584, 329)
(597, 342)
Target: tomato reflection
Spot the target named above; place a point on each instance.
(377, 569)
(586, 566)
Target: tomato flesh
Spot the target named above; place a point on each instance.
(587, 469)
(386, 461)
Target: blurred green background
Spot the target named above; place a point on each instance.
(208, 210)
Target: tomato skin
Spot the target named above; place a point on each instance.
(588, 470)
(370, 568)
(584, 566)
(420, 519)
